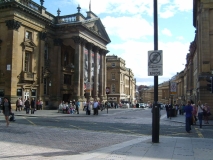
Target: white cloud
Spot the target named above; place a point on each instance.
(128, 27)
(167, 32)
(136, 56)
(180, 38)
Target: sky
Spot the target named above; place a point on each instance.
(129, 24)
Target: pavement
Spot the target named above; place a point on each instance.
(134, 148)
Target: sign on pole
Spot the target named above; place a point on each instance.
(155, 63)
(173, 88)
(88, 87)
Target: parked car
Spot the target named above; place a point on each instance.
(142, 105)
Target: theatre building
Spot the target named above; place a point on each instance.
(51, 58)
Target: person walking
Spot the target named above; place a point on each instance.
(188, 110)
(41, 105)
(32, 104)
(6, 110)
(206, 113)
(194, 114)
(27, 106)
(21, 104)
(200, 113)
(77, 106)
(167, 110)
(17, 104)
(95, 107)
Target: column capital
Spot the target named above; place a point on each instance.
(96, 49)
(89, 46)
(76, 39)
(58, 42)
(103, 51)
(83, 42)
(13, 24)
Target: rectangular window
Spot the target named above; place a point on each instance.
(45, 86)
(1, 93)
(27, 62)
(19, 92)
(28, 35)
(113, 88)
(67, 79)
(33, 94)
(113, 76)
(113, 64)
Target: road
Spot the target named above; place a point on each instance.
(127, 121)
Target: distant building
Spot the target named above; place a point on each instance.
(49, 57)
(120, 80)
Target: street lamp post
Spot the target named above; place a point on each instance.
(155, 109)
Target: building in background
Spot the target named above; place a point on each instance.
(120, 80)
(49, 57)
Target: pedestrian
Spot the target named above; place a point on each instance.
(60, 107)
(88, 107)
(188, 110)
(20, 104)
(32, 104)
(95, 107)
(6, 110)
(41, 105)
(17, 105)
(85, 105)
(77, 106)
(37, 104)
(167, 110)
(194, 113)
(200, 113)
(206, 113)
(27, 106)
(170, 111)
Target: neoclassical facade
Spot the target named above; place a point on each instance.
(49, 57)
(120, 80)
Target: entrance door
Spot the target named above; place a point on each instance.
(26, 95)
(66, 97)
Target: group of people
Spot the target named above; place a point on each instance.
(27, 104)
(70, 107)
(193, 112)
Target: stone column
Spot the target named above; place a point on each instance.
(57, 68)
(77, 65)
(101, 75)
(13, 44)
(104, 73)
(96, 49)
(89, 47)
(82, 65)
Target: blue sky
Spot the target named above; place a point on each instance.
(129, 25)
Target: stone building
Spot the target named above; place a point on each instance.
(120, 80)
(49, 57)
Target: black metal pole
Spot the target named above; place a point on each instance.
(107, 103)
(155, 107)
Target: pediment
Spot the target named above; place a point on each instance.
(97, 27)
(29, 43)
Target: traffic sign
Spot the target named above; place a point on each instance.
(173, 88)
(155, 63)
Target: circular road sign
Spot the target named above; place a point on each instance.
(155, 57)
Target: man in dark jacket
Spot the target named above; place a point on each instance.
(27, 106)
(32, 104)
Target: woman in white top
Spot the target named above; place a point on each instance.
(200, 113)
